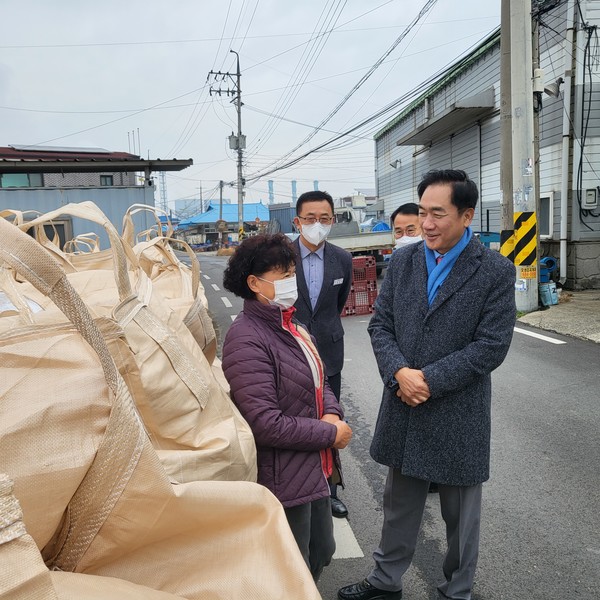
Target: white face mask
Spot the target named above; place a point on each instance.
(315, 233)
(406, 240)
(286, 292)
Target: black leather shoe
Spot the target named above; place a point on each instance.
(338, 508)
(365, 591)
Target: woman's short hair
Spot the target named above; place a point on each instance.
(255, 256)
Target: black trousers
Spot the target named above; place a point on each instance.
(312, 527)
(335, 383)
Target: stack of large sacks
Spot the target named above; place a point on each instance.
(128, 458)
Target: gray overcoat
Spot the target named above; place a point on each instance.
(457, 342)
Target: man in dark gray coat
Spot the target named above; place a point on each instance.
(324, 275)
(443, 322)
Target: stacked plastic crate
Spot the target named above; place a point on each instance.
(364, 287)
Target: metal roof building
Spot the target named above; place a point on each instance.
(44, 178)
(251, 212)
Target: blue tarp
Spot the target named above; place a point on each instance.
(230, 214)
(381, 226)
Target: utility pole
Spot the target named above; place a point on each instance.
(538, 92)
(522, 245)
(236, 142)
(221, 200)
(222, 225)
(506, 128)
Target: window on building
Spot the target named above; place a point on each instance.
(106, 180)
(18, 180)
(546, 221)
(59, 231)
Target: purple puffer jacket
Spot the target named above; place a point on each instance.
(272, 385)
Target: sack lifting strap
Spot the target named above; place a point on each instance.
(124, 438)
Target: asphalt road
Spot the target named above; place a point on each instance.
(540, 534)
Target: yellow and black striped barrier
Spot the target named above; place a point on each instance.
(507, 244)
(519, 245)
(525, 252)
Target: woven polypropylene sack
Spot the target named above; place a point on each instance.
(179, 284)
(217, 540)
(181, 288)
(54, 404)
(24, 576)
(197, 430)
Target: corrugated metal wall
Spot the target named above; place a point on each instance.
(113, 202)
(468, 148)
(463, 150)
(281, 218)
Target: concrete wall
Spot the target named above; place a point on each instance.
(68, 180)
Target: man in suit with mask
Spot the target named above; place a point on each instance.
(324, 274)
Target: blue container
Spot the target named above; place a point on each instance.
(547, 266)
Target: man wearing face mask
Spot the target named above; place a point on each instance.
(324, 275)
(405, 223)
(407, 231)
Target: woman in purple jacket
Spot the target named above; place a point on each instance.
(277, 382)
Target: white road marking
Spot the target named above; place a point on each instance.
(346, 545)
(205, 276)
(539, 336)
(226, 302)
(215, 287)
(233, 317)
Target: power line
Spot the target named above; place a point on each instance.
(426, 8)
(230, 39)
(160, 107)
(373, 122)
(301, 71)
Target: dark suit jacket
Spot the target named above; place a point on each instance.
(324, 322)
(457, 342)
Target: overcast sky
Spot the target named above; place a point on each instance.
(82, 73)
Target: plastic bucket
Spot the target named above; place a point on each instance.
(545, 295)
(547, 266)
(548, 294)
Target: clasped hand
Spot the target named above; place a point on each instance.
(413, 388)
(343, 433)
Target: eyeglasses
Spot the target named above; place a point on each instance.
(410, 231)
(313, 220)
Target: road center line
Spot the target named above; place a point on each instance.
(346, 545)
(215, 287)
(205, 276)
(226, 302)
(539, 336)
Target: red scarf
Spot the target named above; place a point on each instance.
(305, 342)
